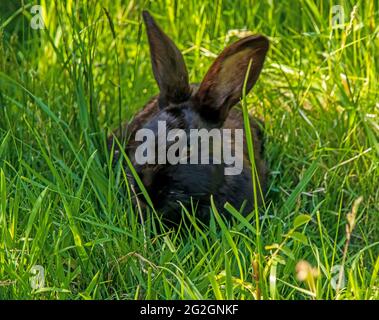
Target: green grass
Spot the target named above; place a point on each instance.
(62, 206)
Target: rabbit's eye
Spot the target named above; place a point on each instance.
(147, 176)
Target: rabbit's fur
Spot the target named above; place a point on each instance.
(208, 106)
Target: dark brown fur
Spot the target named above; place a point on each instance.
(206, 106)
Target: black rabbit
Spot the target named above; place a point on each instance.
(182, 105)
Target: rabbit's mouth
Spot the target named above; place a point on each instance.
(171, 186)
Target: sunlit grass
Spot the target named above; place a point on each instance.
(64, 207)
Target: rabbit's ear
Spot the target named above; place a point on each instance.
(168, 64)
(223, 84)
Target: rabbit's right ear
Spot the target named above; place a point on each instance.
(223, 84)
(168, 64)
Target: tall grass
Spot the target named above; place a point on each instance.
(64, 207)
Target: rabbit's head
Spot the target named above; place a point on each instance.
(183, 106)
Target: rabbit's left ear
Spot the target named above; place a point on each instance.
(168, 64)
(223, 84)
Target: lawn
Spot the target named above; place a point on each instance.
(67, 80)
